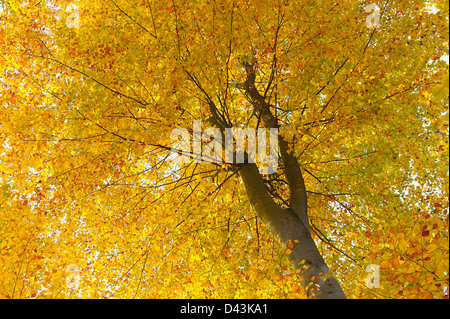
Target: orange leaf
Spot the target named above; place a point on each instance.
(411, 279)
(290, 244)
(394, 262)
(393, 277)
(428, 295)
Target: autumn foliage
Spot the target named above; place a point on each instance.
(89, 97)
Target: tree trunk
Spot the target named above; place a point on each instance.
(285, 225)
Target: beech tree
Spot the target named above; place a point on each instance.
(94, 204)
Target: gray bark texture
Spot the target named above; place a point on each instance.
(285, 224)
(288, 224)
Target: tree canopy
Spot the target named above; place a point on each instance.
(91, 91)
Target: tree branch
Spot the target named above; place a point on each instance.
(298, 196)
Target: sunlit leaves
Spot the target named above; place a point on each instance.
(86, 115)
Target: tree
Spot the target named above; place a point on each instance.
(91, 92)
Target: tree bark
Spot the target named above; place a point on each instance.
(288, 224)
(285, 225)
(297, 190)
